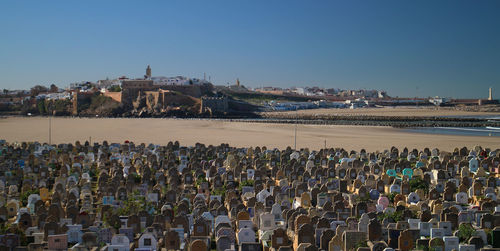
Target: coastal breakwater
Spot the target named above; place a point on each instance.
(368, 120)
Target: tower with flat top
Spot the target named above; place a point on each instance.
(490, 97)
(148, 72)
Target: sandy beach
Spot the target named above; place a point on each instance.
(393, 111)
(188, 132)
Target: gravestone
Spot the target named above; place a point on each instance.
(374, 230)
(477, 242)
(488, 221)
(267, 222)
(276, 212)
(129, 232)
(245, 224)
(305, 234)
(414, 223)
(466, 247)
(198, 245)
(437, 233)
(406, 241)
(352, 238)
(325, 238)
(436, 244)
(496, 237)
(172, 241)
(223, 243)
(279, 238)
(245, 235)
(228, 232)
(74, 233)
(200, 228)
(363, 223)
(446, 226)
(451, 243)
(306, 247)
(57, 242)
(89, 239)
(248, 246)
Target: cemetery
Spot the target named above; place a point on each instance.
(127, 196)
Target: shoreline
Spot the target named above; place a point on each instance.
(240, 134)
(407, 122)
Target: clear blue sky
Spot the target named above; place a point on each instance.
(408, 48)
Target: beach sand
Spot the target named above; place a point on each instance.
(391, 111)
(189, 132)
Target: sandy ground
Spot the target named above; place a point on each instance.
(389, 111)
(188, 132)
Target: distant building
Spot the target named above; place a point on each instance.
(12, 100)
(382, 94)
(108, 83)
(82, 86)
(437, 101)
(214, 104)
(77, 98)
(490, 100)
(132, 88)
(270, 90)
(357, 103)
(137, 84)
(299, 91)
(58, 95)
(178, 80)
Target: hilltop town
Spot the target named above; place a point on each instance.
(179, 96)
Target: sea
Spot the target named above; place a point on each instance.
(463, 131)
(466, 131)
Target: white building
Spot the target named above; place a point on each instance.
(437, 101)
(299, 90)
(178, 80)
(54, 96)
(108, 83)
(357, 103)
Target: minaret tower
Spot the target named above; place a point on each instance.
(148, 72)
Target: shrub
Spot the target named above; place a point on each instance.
(25, 195)
(115, 88)
(396, 216)
(465, 231)
(418, 183)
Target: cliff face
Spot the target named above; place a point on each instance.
(101, 105)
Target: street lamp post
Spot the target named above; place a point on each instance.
(50, 130)
(296, 121)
